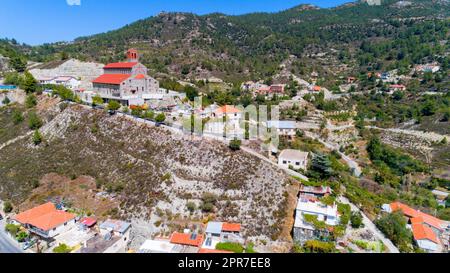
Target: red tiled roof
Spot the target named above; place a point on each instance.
(26, 216)
(52, 220)
(213, 251)
(185, 239)
(140, 76)
(412, 213)
(120, 65)
(45, 217)
(227, 109)
(112, 78)
(423, 232)
(89, 221)
(231, 227)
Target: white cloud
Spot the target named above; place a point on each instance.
(73, 2)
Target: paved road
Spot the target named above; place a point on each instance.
(371, 226)
(7, 245)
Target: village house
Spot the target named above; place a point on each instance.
(45, 80)
(426, 229)
(126, 82)
(433, 68)
(113, 237)
(315, 88)
(283, 127)
(397, 87)
(191, 242)
(158, 246)
(185, 242)
(67, 81)
(45, 220)
(277, 88)
(293, 158)
(304, 230)
(219, 232)
(320, 191)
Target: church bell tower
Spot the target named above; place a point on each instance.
(132, 55)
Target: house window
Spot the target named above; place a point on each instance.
(284, 162)
(297, 163)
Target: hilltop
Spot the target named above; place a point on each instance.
(248, 46)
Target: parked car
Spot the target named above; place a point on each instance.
(112, 112)
(29, 244)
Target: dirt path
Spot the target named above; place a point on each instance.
(12, 141)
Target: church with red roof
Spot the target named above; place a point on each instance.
(127, 82)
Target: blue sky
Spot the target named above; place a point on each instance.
(40, 21)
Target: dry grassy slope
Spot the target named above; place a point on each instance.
(81, 141)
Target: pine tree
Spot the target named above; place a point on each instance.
(322, 166)
(37, 138)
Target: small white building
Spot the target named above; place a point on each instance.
(158, 246)
(283, 127)
(67, 81)
(293, 158)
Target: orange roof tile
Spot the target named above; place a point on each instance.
(140, 76)
(231, 227)
(186, 239)
(423, 232)
(26, 216)
(317, 88)
(52, 220)
(412, 213)
(45, 217)
(227, 109)
(213, 251)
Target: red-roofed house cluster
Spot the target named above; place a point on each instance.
(126, 82)
(192, 242)
(428, 231)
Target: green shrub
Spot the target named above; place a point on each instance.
(34, 122)
(235, 145)
(12, 229)
(7, 207)
(233, 247)
(62, 248)
(356, 220)
(37, 138)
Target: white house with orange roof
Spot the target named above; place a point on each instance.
(225, 120)
(126, 82)
(427, 229)
(45, 220)
(218, 232)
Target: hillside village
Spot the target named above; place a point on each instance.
(114, 158)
